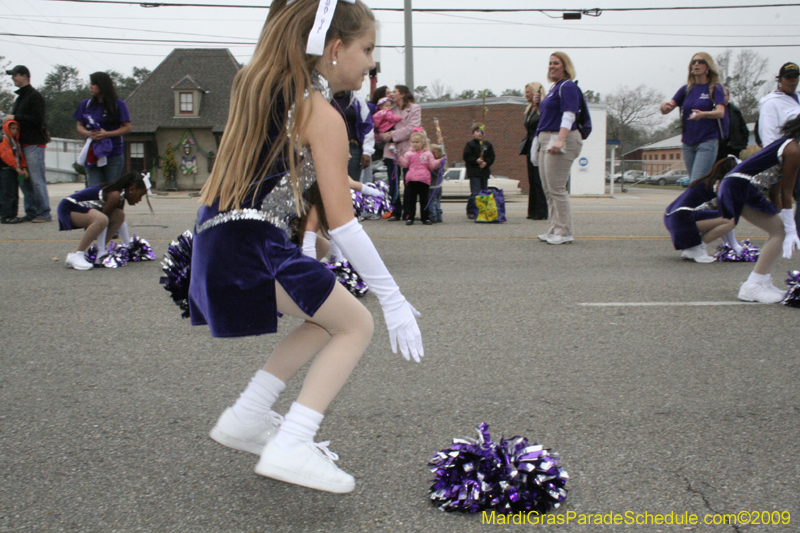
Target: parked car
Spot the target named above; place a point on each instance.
(669, 177)
(632, 176)
(684, 181)
(456, 185)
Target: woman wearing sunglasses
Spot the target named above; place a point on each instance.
(702, 103)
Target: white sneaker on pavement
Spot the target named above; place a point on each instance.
(230, 432)
(698, 253)
(77, 260)
(544, 236)
(308, 465)
(560, 239)
(765, 293)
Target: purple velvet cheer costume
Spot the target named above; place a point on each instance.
(743, 185)
(682, 223)
(239, 255)
(83, 202)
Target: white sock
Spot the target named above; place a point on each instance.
(102, 251)
(123, 234)
(759, 278)
(730, 238)
(299, 427)
(310, 244)
(257, 399)
(336, 253)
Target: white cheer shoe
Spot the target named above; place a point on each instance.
(698, 253)
(308, 465)
(77, 260)
(765, 293)
(252, 438)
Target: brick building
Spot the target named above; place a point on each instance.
(504, 129)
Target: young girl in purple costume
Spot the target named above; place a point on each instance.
(245, 270)
(775, 169)
(98, 209)
(685, 224)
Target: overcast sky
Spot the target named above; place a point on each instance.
(603, 70)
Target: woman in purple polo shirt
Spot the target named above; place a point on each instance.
(104, 119)
(702, 103)
(557, 144)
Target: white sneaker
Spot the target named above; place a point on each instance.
(698, 253)
(544, 236)
(245, 437)
(560, 239)
(309, 465)
(77, 260)
(765, 293)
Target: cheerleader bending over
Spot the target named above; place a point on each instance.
(99, 209)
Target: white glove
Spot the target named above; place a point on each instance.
(369, 189)
(535, 151)
(790, 241)
(310, 244)
(399, 315)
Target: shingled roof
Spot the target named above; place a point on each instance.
(152, 104)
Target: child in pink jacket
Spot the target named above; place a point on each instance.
(419, 161)
(384, 119)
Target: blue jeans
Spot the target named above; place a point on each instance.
(354, 164)
(394, 187)
(34, 189)
(476, 185)
(435, 207)
(700, 158)
(108, 173)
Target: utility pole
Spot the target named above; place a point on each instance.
(409, 47)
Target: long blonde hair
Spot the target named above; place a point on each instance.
(279, 70)
(713, 74)
(569, 69)
(535, 87)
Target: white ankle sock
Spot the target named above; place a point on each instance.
(101, 244)
(257, 399)
(310, 244)
(759, 278)
(299, 427)
(336, 253)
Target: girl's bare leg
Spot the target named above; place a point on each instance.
(774, 246)
(714, 228)
(94, 221)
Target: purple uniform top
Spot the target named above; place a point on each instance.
(88, 116)
(564, 96)
(699, 131)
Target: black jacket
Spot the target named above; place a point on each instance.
(531, 123)
(29, 111)
(738, 134)
(472, 151)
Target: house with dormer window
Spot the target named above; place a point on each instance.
(183, 104)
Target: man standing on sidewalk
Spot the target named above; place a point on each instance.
(29, 112)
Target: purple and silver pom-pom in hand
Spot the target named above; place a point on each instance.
(511, 476)
(374, 206)
(726, 254)
(792, 298)
(347, 276)
(177, 267)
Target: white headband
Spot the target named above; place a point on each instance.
(146, 180)
(322, 22)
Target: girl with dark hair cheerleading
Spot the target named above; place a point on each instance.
(774, 169)
(99, 209)
(283, 135)
(103, 119)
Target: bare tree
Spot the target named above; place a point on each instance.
(421, 93)
(746, 80)
(6, 96)
(633, 113)
(438, 92)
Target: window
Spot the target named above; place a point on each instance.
(137, 157)
(663, 156)
(186, 103)
(671, 156)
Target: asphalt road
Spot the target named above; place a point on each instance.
(681, 401)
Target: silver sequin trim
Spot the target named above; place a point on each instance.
(710, 205)
(96, 204)
(764, 180)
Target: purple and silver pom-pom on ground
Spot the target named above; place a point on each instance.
(792, 298)
(511, 476)
(177, 267)
(750, 253)
(347, 276)
(116, 257)
(140, 250)
(371, 206)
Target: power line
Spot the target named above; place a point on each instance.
(171, 42)
(445, 10)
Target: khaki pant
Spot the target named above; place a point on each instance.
(554, 170)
